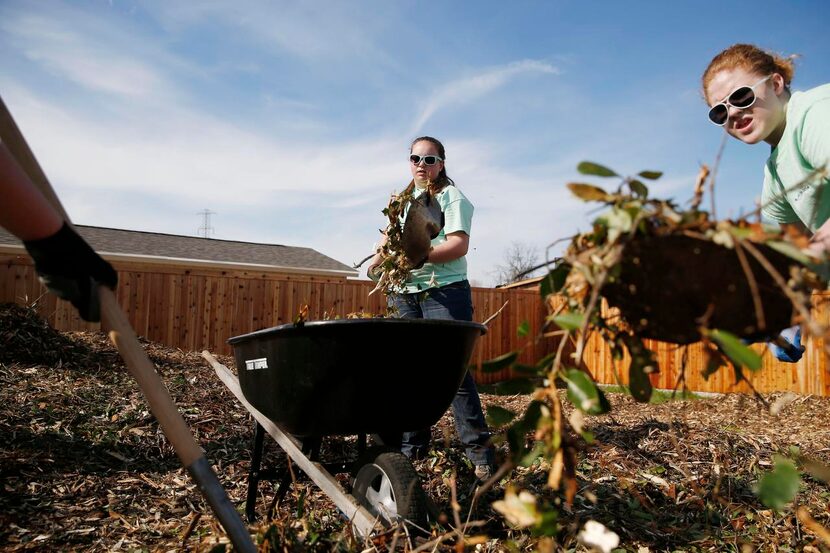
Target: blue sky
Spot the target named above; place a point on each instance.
(292, 120)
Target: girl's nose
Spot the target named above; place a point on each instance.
(732, 111)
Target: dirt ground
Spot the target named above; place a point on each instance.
(84, 466)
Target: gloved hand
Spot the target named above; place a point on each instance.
(424, 221)
(787, 346)
(71, 269)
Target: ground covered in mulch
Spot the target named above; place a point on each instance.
(84, 467)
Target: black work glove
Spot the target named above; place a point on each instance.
(71, 270)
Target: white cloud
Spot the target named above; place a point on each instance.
(469, 89)
(87, 57)
(306, 30)
(193, 153)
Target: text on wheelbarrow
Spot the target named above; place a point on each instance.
(256, 364)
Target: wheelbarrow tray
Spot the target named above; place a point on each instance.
(355, 376)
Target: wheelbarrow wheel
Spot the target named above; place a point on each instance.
(388, 486)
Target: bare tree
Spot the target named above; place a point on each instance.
(518, 258)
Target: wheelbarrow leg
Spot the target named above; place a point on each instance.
(254, 475)
(283, 485)
(311, 447)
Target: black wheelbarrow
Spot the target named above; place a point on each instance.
(350, 377)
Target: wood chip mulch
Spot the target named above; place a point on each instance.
(84, 466)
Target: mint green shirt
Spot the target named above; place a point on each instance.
(458, 216)
(788, 195)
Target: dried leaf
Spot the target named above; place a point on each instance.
(518, 509)
(589, 192)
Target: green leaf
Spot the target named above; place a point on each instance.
(713, 365)
(518, 431)
(529, 458)
(642, 364)
(789, 250)
(617, 352)
(499, 416)
(548, 525)
(569, 320)
(588, 192)
(523, 329)
(741, 233)
(639, 383)
(498, 363)
(555, 279)
(532, 370)
(650, 175)
(584, 394)
(618, 222)
(777, 488)
(638, 188)
(544, 362)
(591, 168)
(514, 386)
(735, 350)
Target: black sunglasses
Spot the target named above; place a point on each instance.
(428, 160)
(741, 98)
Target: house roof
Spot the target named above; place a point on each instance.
(526, 283)
(153, 246)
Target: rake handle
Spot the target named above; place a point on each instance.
(123, 337)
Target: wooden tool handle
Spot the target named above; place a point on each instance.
(161, 404)
(122, 335)
(113, 318)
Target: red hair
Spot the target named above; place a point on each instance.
(750, 58)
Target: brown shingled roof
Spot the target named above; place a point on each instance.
(154, 244)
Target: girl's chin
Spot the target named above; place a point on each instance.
(752, 137)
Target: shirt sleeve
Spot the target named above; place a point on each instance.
(458, 216)
(814, 135)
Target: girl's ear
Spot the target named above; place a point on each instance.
(778, 85)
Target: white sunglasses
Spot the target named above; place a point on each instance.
(741, 98)
(428, 160)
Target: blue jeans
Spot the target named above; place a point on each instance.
(451, 302)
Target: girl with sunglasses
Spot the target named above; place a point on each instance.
(439, 290)
(748, 91)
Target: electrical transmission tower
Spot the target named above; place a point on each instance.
(206, 231)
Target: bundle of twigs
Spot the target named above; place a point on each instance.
(402, 249)
(679, 275)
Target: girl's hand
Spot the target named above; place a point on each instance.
(820, 242)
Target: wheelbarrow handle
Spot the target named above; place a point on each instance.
(123, 337)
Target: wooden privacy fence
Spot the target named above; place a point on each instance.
(195, 309)
(808, 376)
